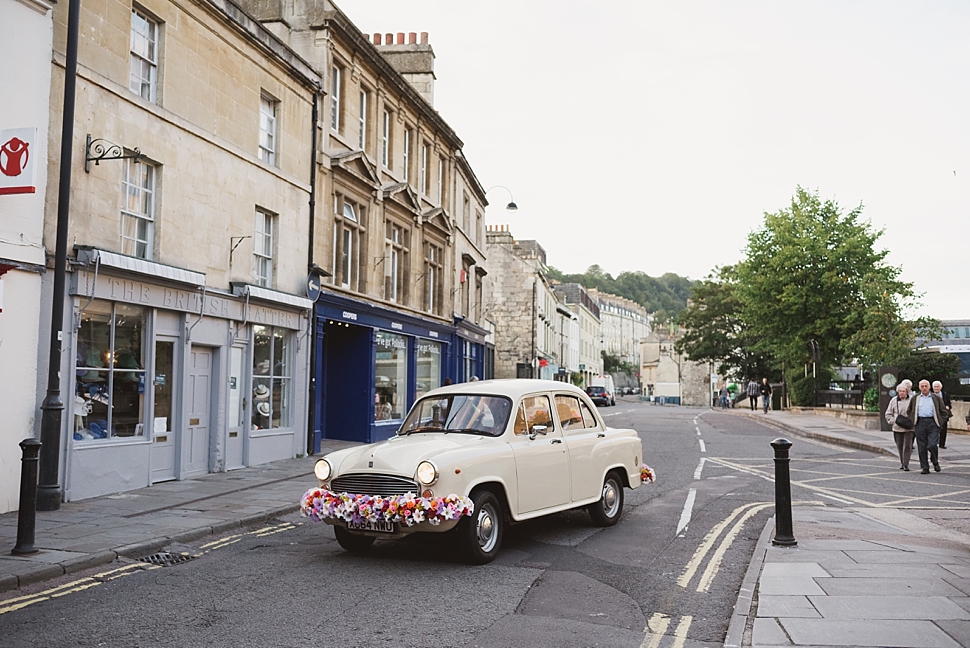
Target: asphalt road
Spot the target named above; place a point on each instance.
(673, 564)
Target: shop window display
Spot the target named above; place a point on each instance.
(390, 393)
(429, 367)
(271, 378)
(109, 400)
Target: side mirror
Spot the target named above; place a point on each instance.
(537, 429)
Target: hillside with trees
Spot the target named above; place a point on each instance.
(664, 296)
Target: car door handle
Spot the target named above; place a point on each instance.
(557, 440)
(600, 435)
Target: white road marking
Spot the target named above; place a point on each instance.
(727, 464)
(688, 508)
(841, 501)
(700, 467)
(703, 447)
(698, 431)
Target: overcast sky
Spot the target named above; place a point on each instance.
(653, 136)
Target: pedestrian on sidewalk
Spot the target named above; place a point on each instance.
(903, 434)
(724, 396)
(947, 413)
(926, 410)
(752, 393)
(765, 390)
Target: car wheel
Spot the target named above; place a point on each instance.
(480, 534)
(606, 512)
(351, 541)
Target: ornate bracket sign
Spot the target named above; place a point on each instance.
(101, 149)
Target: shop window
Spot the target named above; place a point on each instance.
(137, 208)
(433, 267)
(109, 400)
(143, 59)
(163, 380)
(272, 378)
(397, 247)
(470, 360)
(429, 367)
(391, 380)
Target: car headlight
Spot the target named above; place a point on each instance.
(427, 473)
(322, 470)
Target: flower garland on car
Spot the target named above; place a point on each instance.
(319, 503)
(647, 475)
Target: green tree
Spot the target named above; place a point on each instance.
(665, 295)
(715, 332)
(812, 273)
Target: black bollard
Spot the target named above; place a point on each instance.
(783, 522)
(27, 516)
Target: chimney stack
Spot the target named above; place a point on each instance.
(412, 59)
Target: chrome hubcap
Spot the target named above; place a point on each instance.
(610, 499)
(487, 535)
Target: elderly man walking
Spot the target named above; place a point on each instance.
(947, 410)
(927, 411)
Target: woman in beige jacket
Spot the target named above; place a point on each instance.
(904, 436)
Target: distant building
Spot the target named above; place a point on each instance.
(670, 376)
(587, 310)
(623, 324)
(956, 341)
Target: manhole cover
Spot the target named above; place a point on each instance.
(165, 558)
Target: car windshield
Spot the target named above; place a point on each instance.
(463, 413)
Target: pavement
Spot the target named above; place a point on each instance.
(857, 576)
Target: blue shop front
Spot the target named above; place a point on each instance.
(370, 365)
(471, 352)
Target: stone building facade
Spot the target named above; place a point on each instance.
(521, 302)
(404, 269)
(623, 324)
(186, 322)
(26, 75)
(668, 375)
(587, 330)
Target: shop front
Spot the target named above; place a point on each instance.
(172, 379)
(471, 356)
(371, 364)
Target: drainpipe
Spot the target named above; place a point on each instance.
(311, 419)
(48, 490)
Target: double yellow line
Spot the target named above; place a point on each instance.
(657, 628)
(11, 605)
(745, 513)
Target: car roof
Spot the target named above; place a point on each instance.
(513, 388)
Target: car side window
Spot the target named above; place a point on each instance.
(589, 421)
(521, 427)
(570, 416)
(537, 411)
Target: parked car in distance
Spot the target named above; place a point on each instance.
(472, 458)
(599, 395)
(605, 381)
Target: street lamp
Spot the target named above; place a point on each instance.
(511, 206)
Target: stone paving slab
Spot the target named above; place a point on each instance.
(879, 634)
(887, 587)
(927, 608)
(789, 586)
(770, 605)
(793, 570)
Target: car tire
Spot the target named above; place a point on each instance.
(480, 534)
(607, 511)
(352, 542)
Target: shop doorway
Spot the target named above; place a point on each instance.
(163, 385)
(347, 392)
(236, 410)
(195, 443)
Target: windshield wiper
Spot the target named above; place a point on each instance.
(465, 431)
(423, 428)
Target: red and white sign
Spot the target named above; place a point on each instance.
(17, 160)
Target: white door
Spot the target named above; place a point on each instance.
(236, 410)
(195, 447)
(163, 439)
(541, 462)
(582, 434)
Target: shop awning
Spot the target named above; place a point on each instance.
(92, 256)
(266, 294)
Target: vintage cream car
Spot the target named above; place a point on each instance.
(474, 457)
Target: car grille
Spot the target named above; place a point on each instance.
(373, 484)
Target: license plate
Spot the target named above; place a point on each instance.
(381, 526)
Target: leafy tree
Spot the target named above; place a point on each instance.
(715, 332)
(917, 365)
(666, 295)
(812, 273)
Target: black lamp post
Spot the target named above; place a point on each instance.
(49, 490)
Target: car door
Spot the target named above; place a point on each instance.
(541, 459)
(581, 433)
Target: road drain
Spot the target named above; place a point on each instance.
(166, 559)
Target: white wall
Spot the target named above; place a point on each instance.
(26, 47)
